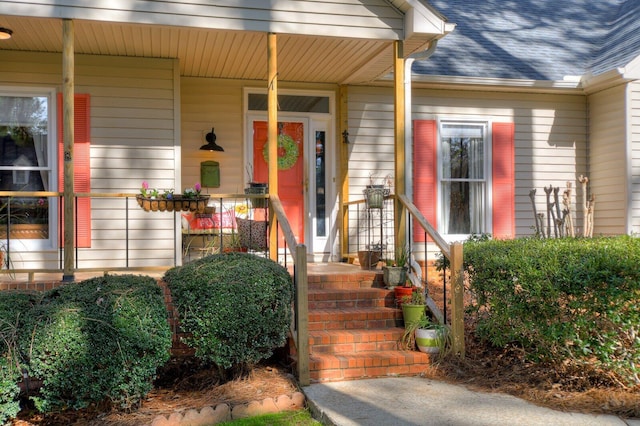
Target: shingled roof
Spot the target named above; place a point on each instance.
(535, 39)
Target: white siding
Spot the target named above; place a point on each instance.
(360, 19)
(608, 160)
(133, 138)
(208, 103)
(633, 109)
(550, 136)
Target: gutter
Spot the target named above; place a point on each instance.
(408, 134)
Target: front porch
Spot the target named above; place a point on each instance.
(354, 323)
(346, 324)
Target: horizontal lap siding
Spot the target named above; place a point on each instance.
(365, 19)
(608, 174)
(550, 136)
(634, 126)
(208, 103)
(133, 134)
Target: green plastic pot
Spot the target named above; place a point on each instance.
(412, 313)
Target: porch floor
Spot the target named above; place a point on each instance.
(6, 279)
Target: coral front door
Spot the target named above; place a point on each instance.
(291, 140)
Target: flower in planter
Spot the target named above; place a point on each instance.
(167, 194)
(145, 188)
(193, 192)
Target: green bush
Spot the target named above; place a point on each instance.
(101, 339)
(561, 299)
(14, 308)
(235, 307)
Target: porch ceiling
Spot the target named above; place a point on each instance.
(217, 53)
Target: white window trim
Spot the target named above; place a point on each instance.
(18, 245)
(488, 225)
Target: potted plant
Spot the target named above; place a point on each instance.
(256, 188)
(431, 338)
(413, 307)
(403, 291)
(394, 273)
(370, 257)
(426, 336)
(375, 193)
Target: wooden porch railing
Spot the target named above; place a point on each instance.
(278, 221)
(453, 252)
(300, 324)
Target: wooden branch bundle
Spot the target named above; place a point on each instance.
(560, 217)
(588, 207)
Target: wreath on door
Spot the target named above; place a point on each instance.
(290, 152)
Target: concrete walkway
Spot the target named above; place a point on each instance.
(417, 401)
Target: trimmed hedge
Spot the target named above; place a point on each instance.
(90, 342)
(234, 307)
(15, 306)
(561, 299)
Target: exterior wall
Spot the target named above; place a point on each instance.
(208, 103)
(633, 110)
(550, 137)
(133, 138)
(608, 165)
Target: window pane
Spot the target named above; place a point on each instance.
(464, 207)
(292, 103)
(24, 165)
(321, 230)
(462, 171)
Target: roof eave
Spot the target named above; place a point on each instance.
(571, 86)
(422, 21)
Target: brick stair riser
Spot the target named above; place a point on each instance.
(340, 299)
(355, 324)
(345, 282)
(346, 341)
(366, 365)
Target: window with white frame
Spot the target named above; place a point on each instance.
(463, 178)
(25, 163)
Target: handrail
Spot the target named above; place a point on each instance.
(300, 332)
(283, 224)
(453, 252)
(442, 244)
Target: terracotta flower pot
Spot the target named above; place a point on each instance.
(402, 292)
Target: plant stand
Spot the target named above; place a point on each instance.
(374, 213)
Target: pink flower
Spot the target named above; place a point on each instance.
(197, 187)
(145, 184)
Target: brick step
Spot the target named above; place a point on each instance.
(360, 298)
(350, 366)
(346, 281)
(345, 341)
(354, 318)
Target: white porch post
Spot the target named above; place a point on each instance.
(68, 70)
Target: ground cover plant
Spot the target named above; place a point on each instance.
(235, 308)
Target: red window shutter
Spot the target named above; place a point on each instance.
(81, 164)
(503, 175)
(425, 172)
